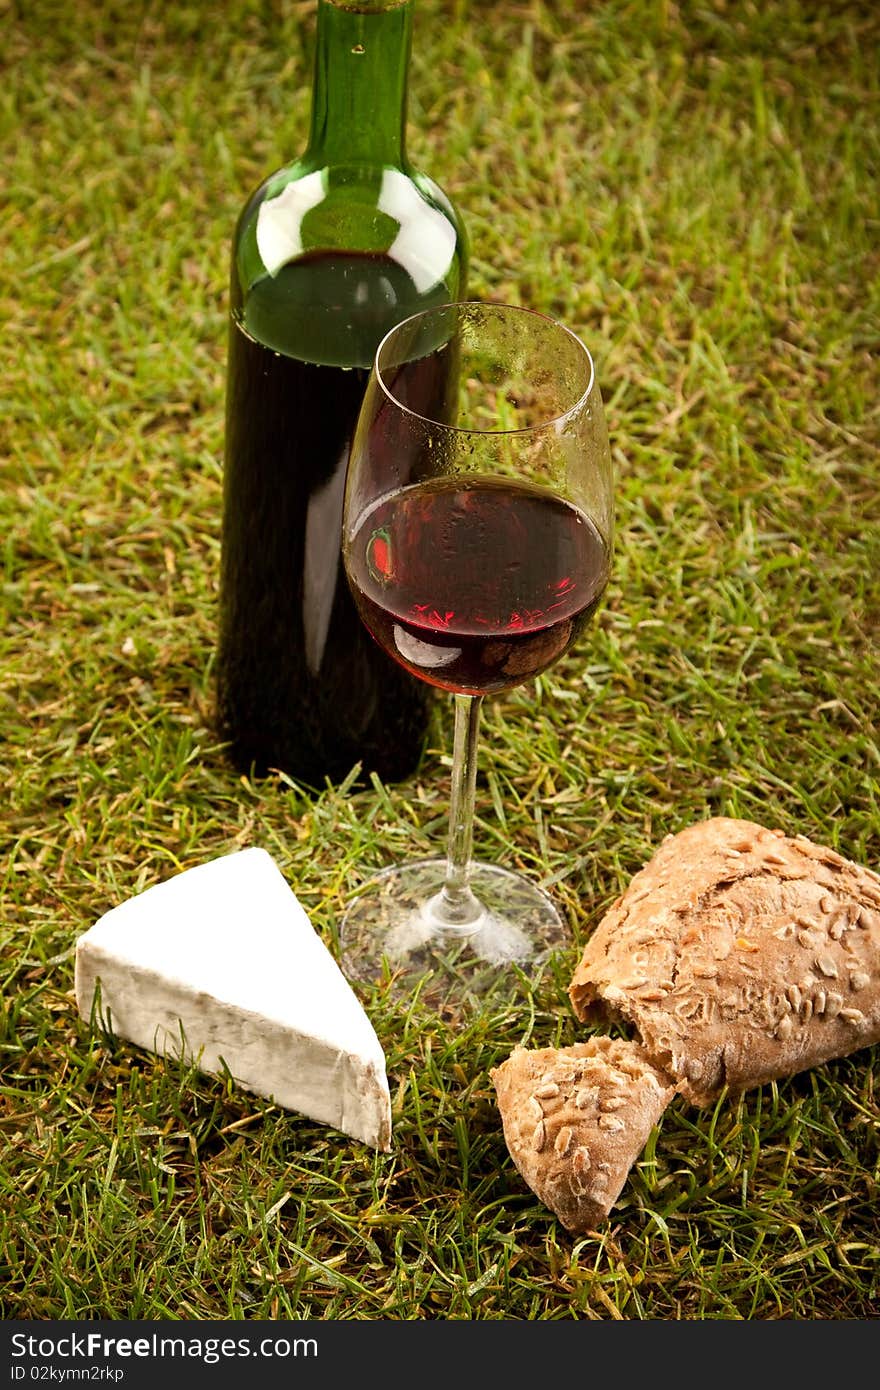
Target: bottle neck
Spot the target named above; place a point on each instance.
(360, 83)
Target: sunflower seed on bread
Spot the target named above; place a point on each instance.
(739, 955)
(575, 1120)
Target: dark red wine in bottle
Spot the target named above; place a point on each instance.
(329, 254)
(476, 587)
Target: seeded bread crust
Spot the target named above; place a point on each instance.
(575, 1120)
(740, 955)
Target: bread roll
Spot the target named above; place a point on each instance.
(575, 1120)
(739, 955)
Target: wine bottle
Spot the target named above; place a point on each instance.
(328, 254)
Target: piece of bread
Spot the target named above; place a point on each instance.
(575, 1120)
(739, 955)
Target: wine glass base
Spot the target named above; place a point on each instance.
(391, 936)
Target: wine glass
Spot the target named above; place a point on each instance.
(477, 539)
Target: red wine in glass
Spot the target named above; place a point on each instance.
(476, 585)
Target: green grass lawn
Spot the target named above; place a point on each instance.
(694, 188)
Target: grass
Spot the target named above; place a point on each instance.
(693, 188)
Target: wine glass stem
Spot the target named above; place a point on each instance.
(455, 905)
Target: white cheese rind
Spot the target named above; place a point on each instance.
(220, 965)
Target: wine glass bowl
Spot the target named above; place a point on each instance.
(477, 540)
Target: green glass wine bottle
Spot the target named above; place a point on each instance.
(328, 254)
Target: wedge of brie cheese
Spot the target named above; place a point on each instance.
(220, 965)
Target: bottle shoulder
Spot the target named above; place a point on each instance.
(304, 209)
